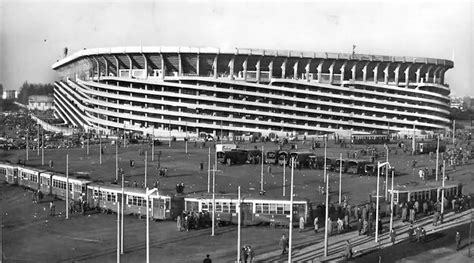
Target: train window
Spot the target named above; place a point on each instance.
(205, 207)
(70, 186)
(266, 209)
(218, 207)
(273, 208)
(280, 209)
(233, 208)
(258, 208)
(210, 207)
(287, 209)
(109, 197)
(225, 207)
(77, 187)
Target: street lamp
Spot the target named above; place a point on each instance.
(147, 196)
(379, 165)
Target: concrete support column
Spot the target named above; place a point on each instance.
(343, 69)
(441, 76)
(364, 72)
(397, 74)
(331, 72)
(386, 74)
(257, 67)
(130, 65)
(320, 71)
(427, 76)
(106, 62)
(214, 66)
(146, 65)
(180, 65)
(418, 74)
(407, 76)
(98, 68)
(117, 66)
(376, 70)
(353, 70)
(270, 69)
(295, 70)
(197, 65)
(283, 68)
(163, 66)
(244, 65)
(231, 68)
(306, 68)
(434, 74)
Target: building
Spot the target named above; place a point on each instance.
(10, 94)
(40, 102)
(231, 92)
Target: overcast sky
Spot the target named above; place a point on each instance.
(34, 33)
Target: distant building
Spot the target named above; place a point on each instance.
(10, 94)
(39, 102)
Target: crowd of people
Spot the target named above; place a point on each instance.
(193, 220)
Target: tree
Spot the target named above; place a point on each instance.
(28, 89)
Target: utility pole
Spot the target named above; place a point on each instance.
(340, 177)
(27, 145)
(238, 224)
(121, 221)
(42, 148)
(118, 231)
(148, 193)
(327, 206)
(209, 171)
(386, 174)
(146, 166)
(88, 138)
(442, 189)
(454, 131)
(284, 175)
(261, 176)
(437, 159)
(325, 158)
(67, 186)
(290, 231)
(153, 144)
(100, 148)
(214, 197)
(116, 161)
(391, 204)
(413, 143)
(170, 133)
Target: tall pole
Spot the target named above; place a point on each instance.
(391, 204)
(261, 175)
(146, 168)
(100, 149)
(413, 144)
(186, 146)
(327, 206)
(147, 223)
(118, 231)
(340, 177)
(27, 145)
(290, 230)
(88, 138)
(470, 233)
(42, 148)
(38, 148)
(437, 159)
(170, 133)
(377, 205)
(213, 198)
(284, 175)
(442, 189)
(153, 144)
(209, 172)
(238, 224)
(67, 186)
(116, 161)
(121, 221)
(386, 175)
(454, 131)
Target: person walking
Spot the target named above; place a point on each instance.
(52, 208)
(250, 254)
(178, 222)
(301, 225)
(316, 224)
(283, 244)
(348, 250)
(243, 254)
(458, 240)
(393, 236)
(207, 259)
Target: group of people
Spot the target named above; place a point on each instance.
(417, 234)
(193, 220)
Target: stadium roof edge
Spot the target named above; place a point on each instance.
(246, 51)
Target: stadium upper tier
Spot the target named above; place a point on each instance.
(230, 92)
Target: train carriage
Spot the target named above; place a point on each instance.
(425, 191)
(29, 177)
(45, 182)
(10, 172)
(77, 187)
(254, 211)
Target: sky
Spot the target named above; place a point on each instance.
(33, 34)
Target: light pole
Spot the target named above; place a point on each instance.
(437, 159)
(340, 177)
(67, 186)
(100, 148)
(442, 189)
(121, 221)
(391, 203)
(116, 161)
(27, 146)
(238, 224)
(146, 166)
(42, 148)
(284, 175)
(147, 196)
(153, 144)
(327, 206)
(378, 197)
(454, 131)
(386, 174)
(290, 230)
(214, 197)
(261, 175)
(118, 231)
(209, 171)
(38, 148)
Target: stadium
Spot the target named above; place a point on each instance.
(183, 91)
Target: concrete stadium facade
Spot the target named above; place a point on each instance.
(187, 91)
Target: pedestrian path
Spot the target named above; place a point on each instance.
(313, 250)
